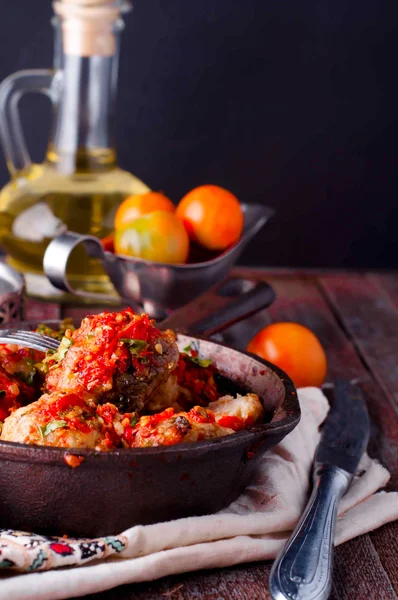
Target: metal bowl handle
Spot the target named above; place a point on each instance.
(56, 259)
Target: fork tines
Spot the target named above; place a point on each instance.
(33, 336)
(30, 339)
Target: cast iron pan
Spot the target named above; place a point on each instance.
(112, 491)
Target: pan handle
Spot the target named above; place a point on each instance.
(56, 259)
(222, 306)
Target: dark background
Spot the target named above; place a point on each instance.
(292, 104)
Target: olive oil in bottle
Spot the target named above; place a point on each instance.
(79, 185)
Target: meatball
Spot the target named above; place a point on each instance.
(14, 392)
(22, 376)
(17, 366)
(167, 395)
(57, 419)
(189, 384)
(168, 428)
(113, 357)
(19, 360)
(237, 413)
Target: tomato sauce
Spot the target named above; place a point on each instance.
(201, 415)
(198, 380)
(234, 423)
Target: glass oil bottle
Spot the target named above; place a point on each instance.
(79, 185)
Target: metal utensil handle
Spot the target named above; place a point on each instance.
(303, 570)
(218, 310)
(56, 259)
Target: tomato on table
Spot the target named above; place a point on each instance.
(293, 348)
(212, 216)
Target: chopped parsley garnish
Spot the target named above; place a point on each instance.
(134, 420)
(51, 426)
(202, 362)
(64, 347)
(135, 346)
(40, 430)
(44, 329)
(193, 356)
(59, 355)
(201, 411)
(189, 348)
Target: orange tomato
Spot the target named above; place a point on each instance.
(142, 204)
(212, 217)
(159, 237)
(293, 348)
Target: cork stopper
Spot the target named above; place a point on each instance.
(88, 26)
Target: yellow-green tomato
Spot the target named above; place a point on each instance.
(158, 236)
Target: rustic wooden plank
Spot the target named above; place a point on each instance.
(371, 580)
(389, 281)
(369, 313)
(385, 540)
(367, 310)
(295, 272)
(371, 320)
(36, 310)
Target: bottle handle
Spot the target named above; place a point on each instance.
(11, 133)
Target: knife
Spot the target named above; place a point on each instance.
(303, 570)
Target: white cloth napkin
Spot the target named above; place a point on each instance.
(252, 528)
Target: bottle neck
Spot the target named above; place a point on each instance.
(85, 91)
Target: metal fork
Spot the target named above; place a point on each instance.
(30, 339)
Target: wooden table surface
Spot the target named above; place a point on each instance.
(355, 315)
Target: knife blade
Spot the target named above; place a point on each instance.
(303, 570)
(345, 434)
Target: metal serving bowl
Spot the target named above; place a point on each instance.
(111, 491)
(158, 287)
